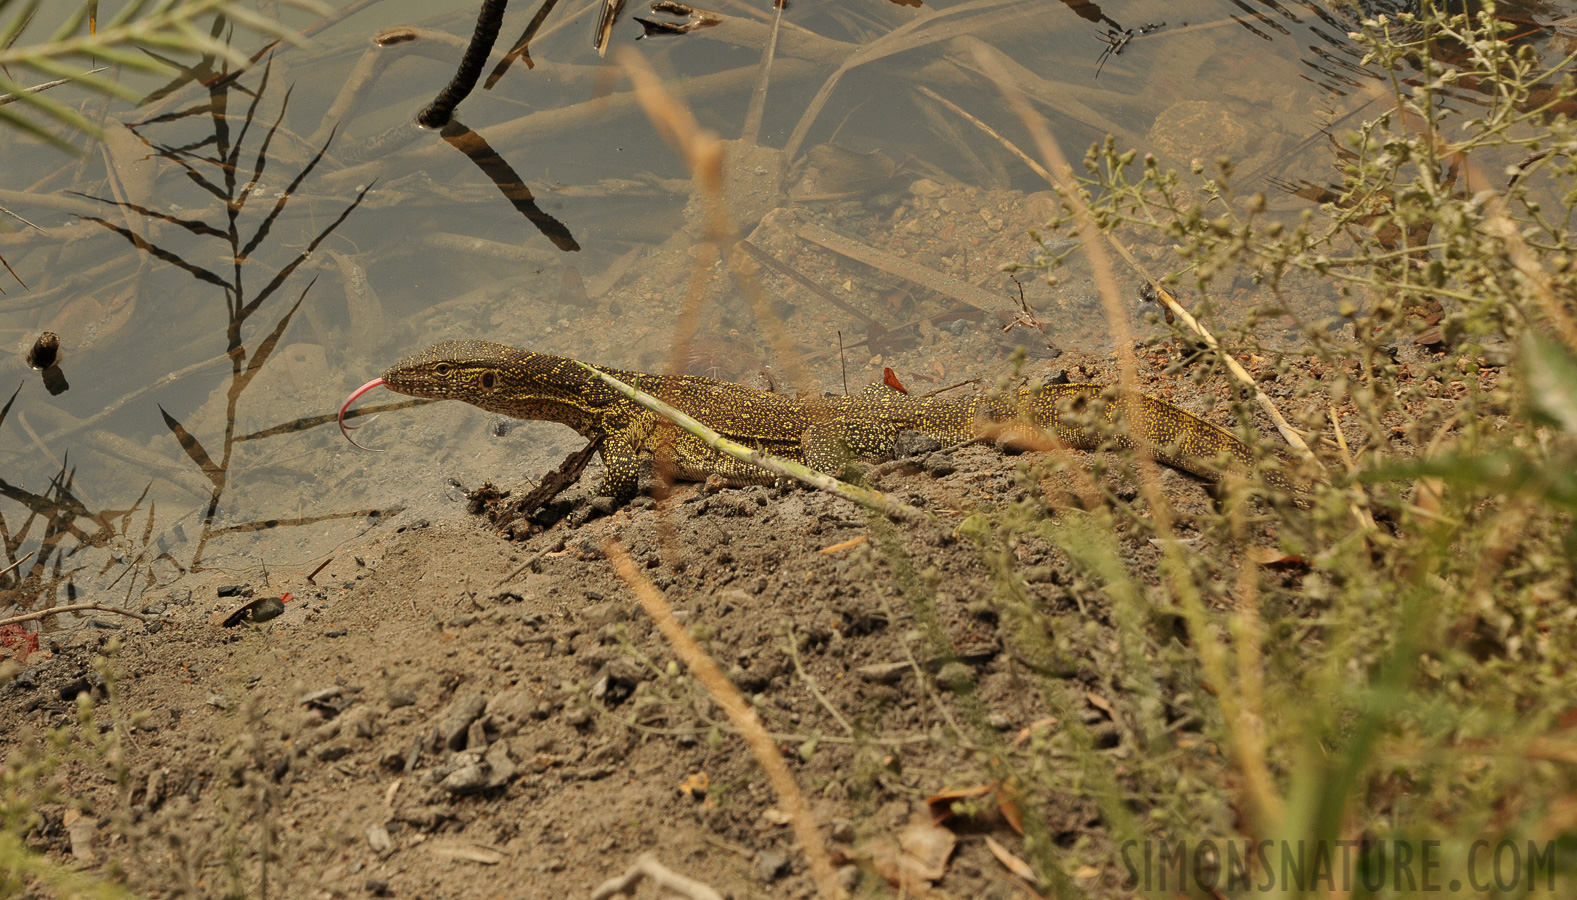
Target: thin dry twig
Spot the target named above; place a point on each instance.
(74, 607)
(810, 683)
(739, 712)
(647, 866)
(20, 561)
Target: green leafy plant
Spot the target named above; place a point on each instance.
(1402, 670)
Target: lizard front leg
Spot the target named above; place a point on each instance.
(621, 462)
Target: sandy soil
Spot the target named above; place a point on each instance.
(446, 713)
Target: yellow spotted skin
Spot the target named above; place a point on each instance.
(824, 433)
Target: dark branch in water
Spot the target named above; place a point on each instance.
(437, 114)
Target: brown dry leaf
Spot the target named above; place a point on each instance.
(1102, 704)
(1031, 728)
(1011, 812)
(82, 831)
(1013, 864)
(929, 846)
(940, 804)
(1274, 558)
(845, 545)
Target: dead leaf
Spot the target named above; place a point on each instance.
(1102, 704)
(890, 378)
(1013, 864)
(81, 830)
(1011, 812)
(940, 804)
(929, 846)
(1273, 558)
(1031, 728)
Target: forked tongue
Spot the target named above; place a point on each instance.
(347, 429)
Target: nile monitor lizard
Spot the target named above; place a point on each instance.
(823, 433)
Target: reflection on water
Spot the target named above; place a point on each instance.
(249, 245)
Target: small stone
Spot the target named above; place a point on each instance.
(268, 608)
(378, 839)
(80, 685)
(457, 718)
(771, 865)
(939, 464)
(883, 673)
(843, 831)
(500, 768)
(470, 779)
(377, 885)
(234, 590)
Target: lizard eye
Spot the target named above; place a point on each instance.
(488, 380)
(441, 368)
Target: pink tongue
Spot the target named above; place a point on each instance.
(346, 429)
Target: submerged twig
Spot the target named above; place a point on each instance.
(74, 607)
(38, 88)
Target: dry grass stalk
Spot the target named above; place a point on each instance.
(647, 866)
(739, 713)
(704, 155)
(1248, 740)
(74, 607)
(989, 63)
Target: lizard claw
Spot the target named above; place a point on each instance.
(346, 429)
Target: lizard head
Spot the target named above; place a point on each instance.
(477, 372)
(496, 378)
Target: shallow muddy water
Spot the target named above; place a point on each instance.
(232, 260)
